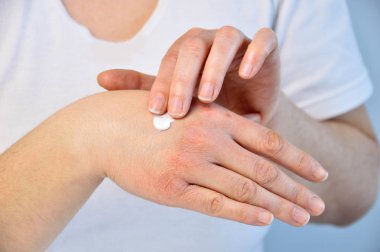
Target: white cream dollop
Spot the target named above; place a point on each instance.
(162, 122)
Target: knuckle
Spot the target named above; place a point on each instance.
(303, 161)
(181, 81)
(242, 215)
(296, 194)
(171, 186)
(174, 159)
(279, 208)
(246, 190)
(273, 144)
(215, 205)
(166, 184)
(265, 172)
(170, 58)
(195, 139)
(195, 46)
(195, 31)
(229, 32)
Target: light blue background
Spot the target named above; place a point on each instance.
(364, 235)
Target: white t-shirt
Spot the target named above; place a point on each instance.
(48, 61)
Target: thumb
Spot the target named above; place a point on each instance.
(120, 79)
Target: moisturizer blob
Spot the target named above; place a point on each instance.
(162, 122)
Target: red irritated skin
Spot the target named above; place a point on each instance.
(242, 75)
(48, 174)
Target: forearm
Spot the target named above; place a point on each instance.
(349, 155)
(43, 183)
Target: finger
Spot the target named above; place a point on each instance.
(191, 57)
(209, 202)
(159, 95)
(247, 191)
(228, 41)
(120, 79)
(261, 48)
(265, 142)
(267, 175)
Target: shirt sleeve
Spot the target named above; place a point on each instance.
(322, 69)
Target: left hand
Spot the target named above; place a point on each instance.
(247, 69)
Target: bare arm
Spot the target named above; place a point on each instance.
(43, 183)
(48, 175)
(346, 146)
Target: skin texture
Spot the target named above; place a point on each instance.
(40, 195)
(125, 13)
(347, 148)
(216, 58)
(222, 57)
(47, 175)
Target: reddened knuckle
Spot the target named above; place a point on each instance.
(210, 112)
(194, 140)
(273, 144)
(175, 159)
(171, 186)
(215, 205)
(265, 172)
(196, 136)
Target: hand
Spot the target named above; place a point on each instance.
(216, 167)
(247, 70)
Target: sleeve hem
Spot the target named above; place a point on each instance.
(342, 101)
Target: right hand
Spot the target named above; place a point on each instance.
(213, 161)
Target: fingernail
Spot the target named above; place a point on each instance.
(206, 93)
(316, 205)
(175, 108)
(246, 70)
(300, 216)
(157, 104)
(318, 171)
(265, 218)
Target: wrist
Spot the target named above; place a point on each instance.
(72, 125)
(280, 113)
(290, 121)
(46, 175)
(107, 129)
